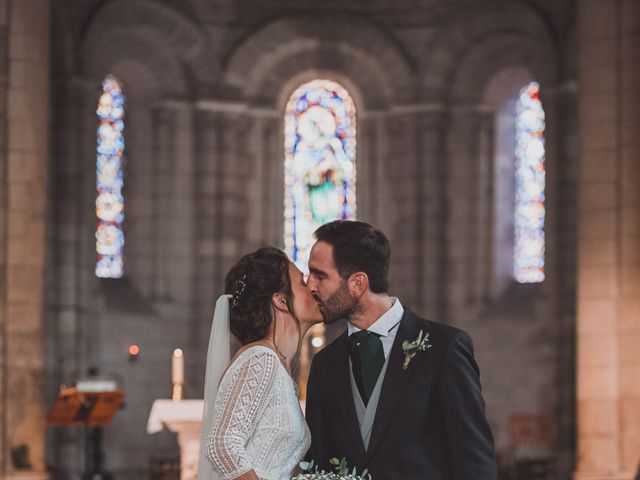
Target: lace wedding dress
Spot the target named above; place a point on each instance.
(258, 421)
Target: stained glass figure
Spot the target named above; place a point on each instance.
(529, 252)
(109, 180)
(320, 174)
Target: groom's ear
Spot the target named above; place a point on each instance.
(279, 302)
(358, 284)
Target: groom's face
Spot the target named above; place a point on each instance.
(327, 287)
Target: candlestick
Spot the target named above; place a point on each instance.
(177, 393)
(177, 373)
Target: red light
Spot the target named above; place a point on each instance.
(134, 350)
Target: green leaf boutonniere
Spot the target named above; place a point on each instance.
(410, 349)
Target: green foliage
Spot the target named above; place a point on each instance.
(341, 472)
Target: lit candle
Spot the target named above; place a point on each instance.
(177, 367)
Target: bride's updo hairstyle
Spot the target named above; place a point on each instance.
(251, 283)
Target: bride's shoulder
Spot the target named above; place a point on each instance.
(252, 350)
(249, 357)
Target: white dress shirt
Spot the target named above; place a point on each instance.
(386, 326)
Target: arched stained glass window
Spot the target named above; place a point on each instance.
(529, 252)
(320, 174)
(109, 180)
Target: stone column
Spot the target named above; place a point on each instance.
(25, 173)
(4, 39)
(608, 326)
(272, 157)
(175, 223)
(162, 175)
(431, 195)
(404, 227)
(205, 187)
(374, 193)
(214, 150)
(70, 252)
(467, 174)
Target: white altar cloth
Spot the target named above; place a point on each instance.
(185, 418)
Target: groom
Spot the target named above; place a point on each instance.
(408, 415)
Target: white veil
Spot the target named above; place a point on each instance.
(218, 356)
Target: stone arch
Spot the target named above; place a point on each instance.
(153, 51)
(500, 97)
(505, 84)
(273, 162)
(480, 66)
(514, 24)
(372, 57)
(487, 61)
(169, 44)
(138, 70)
(487, 75)
(287, 87)
(266, 67)
(498, 63)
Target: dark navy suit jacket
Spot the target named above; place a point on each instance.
(430, 423)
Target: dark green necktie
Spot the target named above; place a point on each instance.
(367, 358)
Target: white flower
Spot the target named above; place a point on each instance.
(410, 349)
(341, 469)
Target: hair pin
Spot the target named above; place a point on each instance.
(241, 285)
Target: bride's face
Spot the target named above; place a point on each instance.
(305, 306)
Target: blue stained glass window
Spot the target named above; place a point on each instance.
(529, 253)
(109, 180)
(320, 174)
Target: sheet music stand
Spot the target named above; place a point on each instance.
(92, 410)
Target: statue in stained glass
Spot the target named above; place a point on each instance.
(319, 163)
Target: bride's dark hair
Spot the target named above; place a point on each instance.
(251, 283)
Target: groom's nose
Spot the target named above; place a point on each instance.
(311, 284)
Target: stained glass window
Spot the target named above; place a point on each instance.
(109, 180)
(530, 185)
(320, 174)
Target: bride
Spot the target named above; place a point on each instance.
(253, 428)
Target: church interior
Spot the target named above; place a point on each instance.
(145, 145)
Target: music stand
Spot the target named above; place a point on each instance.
(92, 410)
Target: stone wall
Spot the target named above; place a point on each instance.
(206, 84)
(24, 100)
(609, 239)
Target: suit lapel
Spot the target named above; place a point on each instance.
(343, 394)
(395, 378)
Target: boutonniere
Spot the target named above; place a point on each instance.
(410, 349)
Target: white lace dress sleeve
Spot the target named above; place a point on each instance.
(244, 394)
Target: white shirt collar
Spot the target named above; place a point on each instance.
(386, 322)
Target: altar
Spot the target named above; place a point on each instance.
(184, 417)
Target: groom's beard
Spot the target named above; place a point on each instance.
(339, 305)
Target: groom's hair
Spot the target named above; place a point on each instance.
(358, 247)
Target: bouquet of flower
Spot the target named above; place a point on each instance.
(341, 473)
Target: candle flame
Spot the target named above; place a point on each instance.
(177, 353)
